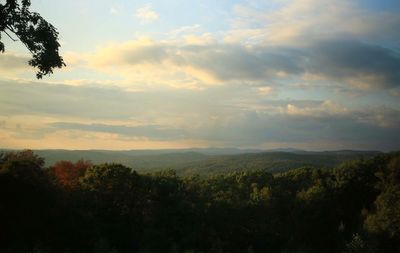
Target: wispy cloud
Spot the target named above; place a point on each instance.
(11, 64)
(299, 22)
(153, 132)
(188, 29)
(93, 117)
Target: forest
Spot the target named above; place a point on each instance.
(111, 208)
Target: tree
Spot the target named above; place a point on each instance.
(24, 165)
(28, 201)
(383, 222)
(112, 186)
(38, 35)
(67, 174)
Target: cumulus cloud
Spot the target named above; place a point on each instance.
(349, 62)
(356, 63)
(295, 42)
(147, 13)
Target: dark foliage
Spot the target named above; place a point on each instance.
(111, 208)
(39, 36)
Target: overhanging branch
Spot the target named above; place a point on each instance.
(9, 36)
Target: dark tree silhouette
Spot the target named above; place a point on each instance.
(38, 35)
(110, 208)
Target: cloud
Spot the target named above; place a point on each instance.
(356, 63)
(87, 101)
(265, 90)
(151, 132)
(349, 62)
(76, 139)
(188, 29)
(326, 108)
(109, 103)
(287, 44)
(86, 116)
(12, 64)
(300, 22)
(74, 60)
(358, 129)
(146, 13)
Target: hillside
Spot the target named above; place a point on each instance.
(206, 161)
(273, 161)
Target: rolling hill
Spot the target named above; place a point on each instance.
(208, 161)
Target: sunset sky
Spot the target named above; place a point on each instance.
(308, 74)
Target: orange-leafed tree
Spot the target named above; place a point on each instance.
(67, 173)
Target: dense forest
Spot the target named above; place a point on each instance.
(80, 207)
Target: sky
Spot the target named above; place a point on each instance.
(307, 74)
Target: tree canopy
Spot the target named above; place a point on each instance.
(104, 208)
(39, 36)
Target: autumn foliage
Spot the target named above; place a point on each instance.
(67, 174)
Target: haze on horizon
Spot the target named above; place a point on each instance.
(307, 74)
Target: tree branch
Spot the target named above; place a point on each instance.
(11, 29)
(9, 36)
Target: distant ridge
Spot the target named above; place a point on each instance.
(208, 160)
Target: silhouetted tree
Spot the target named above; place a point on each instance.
(38, 35)
(353, 208)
